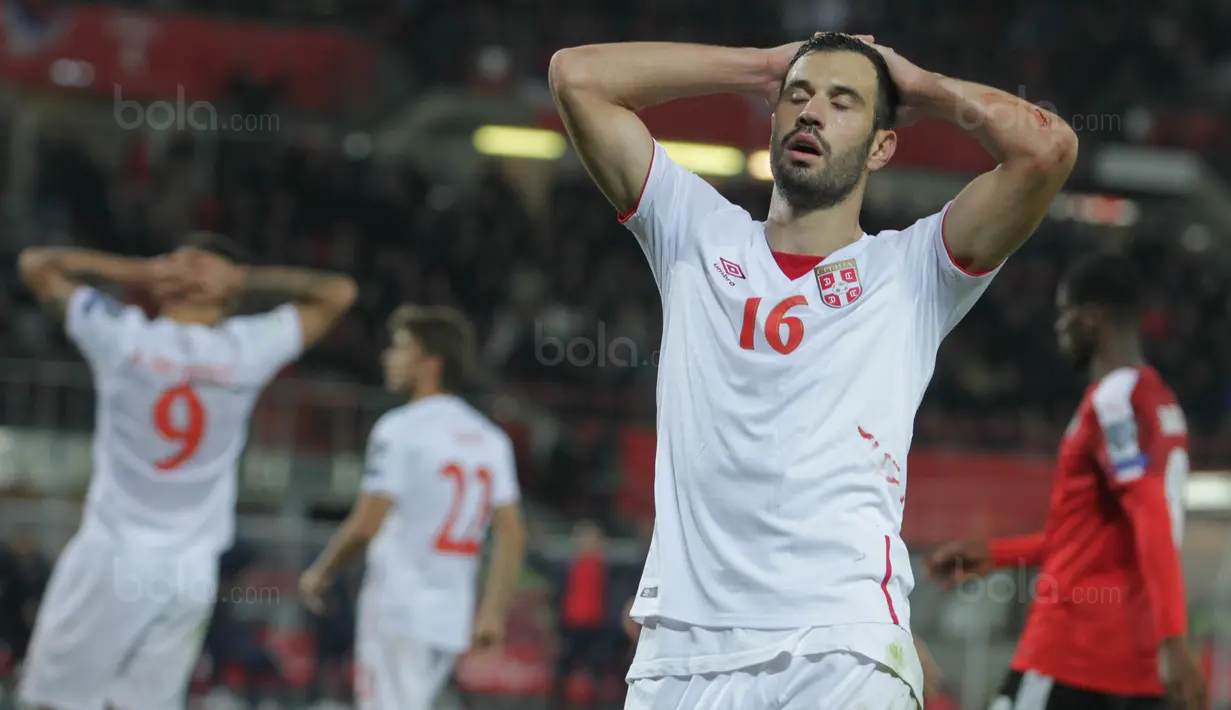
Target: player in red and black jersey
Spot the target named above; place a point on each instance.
(1108, 623)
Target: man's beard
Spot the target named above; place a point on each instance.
(808, 189)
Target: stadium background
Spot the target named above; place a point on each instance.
(387, 139)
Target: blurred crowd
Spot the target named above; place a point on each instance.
(1089, 58)
(567, 309)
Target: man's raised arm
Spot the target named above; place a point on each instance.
(998, 211)
(598, 89)
(54, 273)
(1036, 150)
(321, 297)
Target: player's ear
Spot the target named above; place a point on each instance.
(884, 144)
(1089, 321)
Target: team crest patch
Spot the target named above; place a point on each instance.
(839, 283)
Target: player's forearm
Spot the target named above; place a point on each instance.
(1146, 505)
(1023, 550)
(1015, 131)
(640, 74)
(82, 265)
(344, 548)
(305, 285)
(507, 559)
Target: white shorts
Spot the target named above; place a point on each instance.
(830, 681)
(394, 670)
(118, 627)
(397, 673)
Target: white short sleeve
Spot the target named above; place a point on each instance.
(943, 291)
(1122, 453)
(674, 205)
(505, 490)
(389, 460)
(98, 323)
(270, 340)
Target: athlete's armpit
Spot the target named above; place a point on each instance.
(55, 306)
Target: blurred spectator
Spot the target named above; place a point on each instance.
(24, 572)
(585, 644)
(334, 636)
(231, 643)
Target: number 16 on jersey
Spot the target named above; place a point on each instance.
(775, 323)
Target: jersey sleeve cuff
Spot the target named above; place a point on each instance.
(1014, 551)
(507, 499)
(1002, 555)
(952, 261)
(78, 302)
(377, 484)
(296, 330)
(624, 217)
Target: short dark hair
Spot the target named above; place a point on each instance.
(887, 96)
(1108, 280)
(218, 245)
(443, 332)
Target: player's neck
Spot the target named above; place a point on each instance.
(816, 232)
(425, 391)
(1116, 352)
(189, 314)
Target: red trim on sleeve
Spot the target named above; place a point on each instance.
(1145, 502)
(893, 614)
(1022, 550)
(949, 253)
(629, 215)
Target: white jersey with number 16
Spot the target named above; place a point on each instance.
(785, 414)
(172, 411)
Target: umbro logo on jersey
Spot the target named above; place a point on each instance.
(649, 593)
(729, 270)
(839, 282)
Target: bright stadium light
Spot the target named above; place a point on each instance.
(704, 159)
(517, 142)
(758, 165)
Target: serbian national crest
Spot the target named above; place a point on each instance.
(839, 283)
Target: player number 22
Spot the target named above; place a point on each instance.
(774, 323)
(184, 431)
(468, 541)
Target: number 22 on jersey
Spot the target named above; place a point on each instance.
(179, 418)
(453, 537)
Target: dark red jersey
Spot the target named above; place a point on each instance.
(1110, 586)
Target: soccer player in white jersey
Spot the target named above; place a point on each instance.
(123, 616)
(795, 353)
(437, 474)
